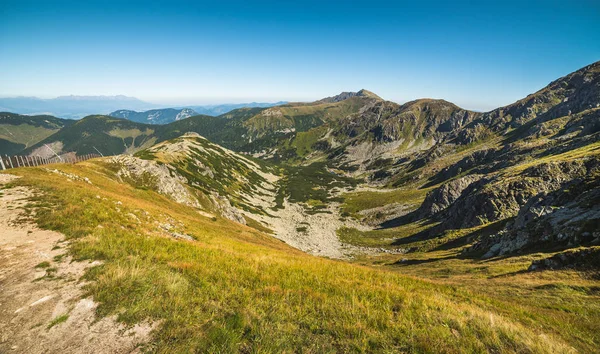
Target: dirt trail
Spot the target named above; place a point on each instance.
(32, 300)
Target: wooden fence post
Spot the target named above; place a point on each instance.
(10, 161)
(2, 162)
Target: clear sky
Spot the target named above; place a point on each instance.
(478, 54)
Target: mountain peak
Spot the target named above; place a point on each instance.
(346, 95)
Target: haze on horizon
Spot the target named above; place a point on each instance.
(181, 52)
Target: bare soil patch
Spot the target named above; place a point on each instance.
(43, 308)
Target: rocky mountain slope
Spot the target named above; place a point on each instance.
(219, 182)
(528, 170)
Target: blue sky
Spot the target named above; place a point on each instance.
(478, 54)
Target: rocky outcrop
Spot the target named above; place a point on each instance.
(566, 217)
(499, 197)
(152, 175)
(581, 259)
(441, 198)
(226, 209)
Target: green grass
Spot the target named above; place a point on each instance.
(358, 201)
(43, 265)
(382, 237)
(238, 290)
(563, 302)
(311, 185)
(58, 320)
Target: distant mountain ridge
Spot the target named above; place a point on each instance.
(75, 107)
(217, 110)
(72, 107)
(155, 116)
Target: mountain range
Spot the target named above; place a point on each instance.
(499, 211)
(155, 116)
(75, 107)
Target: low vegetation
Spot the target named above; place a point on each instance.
(236, 289)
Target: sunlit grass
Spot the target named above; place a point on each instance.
(238, 290)
(356, 202)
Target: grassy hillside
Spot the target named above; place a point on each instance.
(109, 135)
(18, 132)
(234, 289)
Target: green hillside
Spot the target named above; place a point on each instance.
(18, 132)
(109, 135)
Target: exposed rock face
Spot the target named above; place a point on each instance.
(442, 197)
(583, 259)
(227, 210)
(150, 174)
(498, 197)
(566, 217)
(388, 121)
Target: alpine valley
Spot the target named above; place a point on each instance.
(348, 224)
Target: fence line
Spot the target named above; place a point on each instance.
(16, 161)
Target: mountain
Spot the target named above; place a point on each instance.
(465, 169)
(155, 116)
(72, 107)
(522, 178)
(18, 132)
(247, 130)
(436, 217)
(108, 135)
(345, 95)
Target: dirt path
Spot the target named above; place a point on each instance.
(42, 309)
